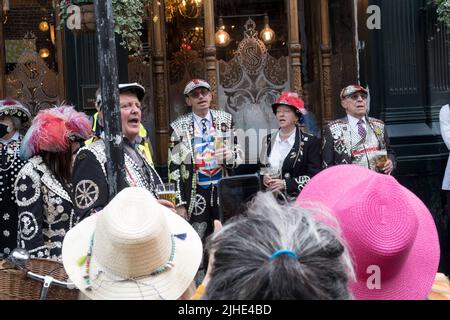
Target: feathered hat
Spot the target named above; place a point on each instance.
(54, 129)
(290, 99)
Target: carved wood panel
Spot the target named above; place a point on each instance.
(31, 81)
(251, 81)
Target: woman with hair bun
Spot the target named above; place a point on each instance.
(43, 186)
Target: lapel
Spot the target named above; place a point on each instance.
(347, 136)
(296, 153)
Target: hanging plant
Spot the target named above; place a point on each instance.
(443, 11)
(127, 15)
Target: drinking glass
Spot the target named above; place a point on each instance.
(380, 160)
(272, 172)
(166, 191)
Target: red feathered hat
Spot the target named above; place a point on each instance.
(289, 99)
(54, 129)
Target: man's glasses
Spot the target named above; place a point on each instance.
(355, 96)
(195, 94)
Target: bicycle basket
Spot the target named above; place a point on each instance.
(15, 285)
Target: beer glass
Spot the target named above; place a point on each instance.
(272, 172)
(166, 191)
(380, 160)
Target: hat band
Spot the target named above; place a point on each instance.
(86, 260)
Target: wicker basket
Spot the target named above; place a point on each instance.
(15, 285)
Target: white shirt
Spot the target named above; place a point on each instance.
(444, 121)
(280, 150)
(198, 122)
(354, 123)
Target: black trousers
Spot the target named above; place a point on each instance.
(206, 210)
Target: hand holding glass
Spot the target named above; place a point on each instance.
(380, 160)
(271, 172)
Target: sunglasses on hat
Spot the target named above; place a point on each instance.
(196, 93)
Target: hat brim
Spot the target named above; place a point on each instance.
(416, 277)
(276, 105)
(349, 94)
(201, 86)
(168, 285)
(17, 112)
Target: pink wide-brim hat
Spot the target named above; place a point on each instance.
(389, 232)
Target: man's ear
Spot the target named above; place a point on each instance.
(343, 104)
(188, 101)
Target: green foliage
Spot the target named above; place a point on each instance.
(127, 14)
(443, 11)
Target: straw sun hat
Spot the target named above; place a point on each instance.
(134, 248)
(389, 232)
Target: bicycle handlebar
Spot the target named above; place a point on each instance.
(38, 277)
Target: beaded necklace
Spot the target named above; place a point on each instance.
(13, 147)
(86, 261)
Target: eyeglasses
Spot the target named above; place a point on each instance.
(195, 94)
(355, 96)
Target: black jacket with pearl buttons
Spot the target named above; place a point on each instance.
(301, 163)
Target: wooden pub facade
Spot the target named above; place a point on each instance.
(396, 48)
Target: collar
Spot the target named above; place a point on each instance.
(354, 121)
(290, 140)
(15, 137)
(198, 119)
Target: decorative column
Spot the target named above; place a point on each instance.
(325, 47)
(160, 80)
(2, 58)
(59, 57)
(295, 48)
(210, 50)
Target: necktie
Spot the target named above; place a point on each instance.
(361, 130)
(204, 128)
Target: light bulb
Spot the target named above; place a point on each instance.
(44, 53)
(267, 35)
(222, 37)
(43, 26)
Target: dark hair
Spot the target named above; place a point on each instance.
(243, 268)
(60, 164)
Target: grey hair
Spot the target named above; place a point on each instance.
(243, 269)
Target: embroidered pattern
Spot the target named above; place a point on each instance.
(86, 193)
(200, 228)
(301, 182)
(98, 150)
(200, 205)
(28, 226)
(27, 172)
(54, 212)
